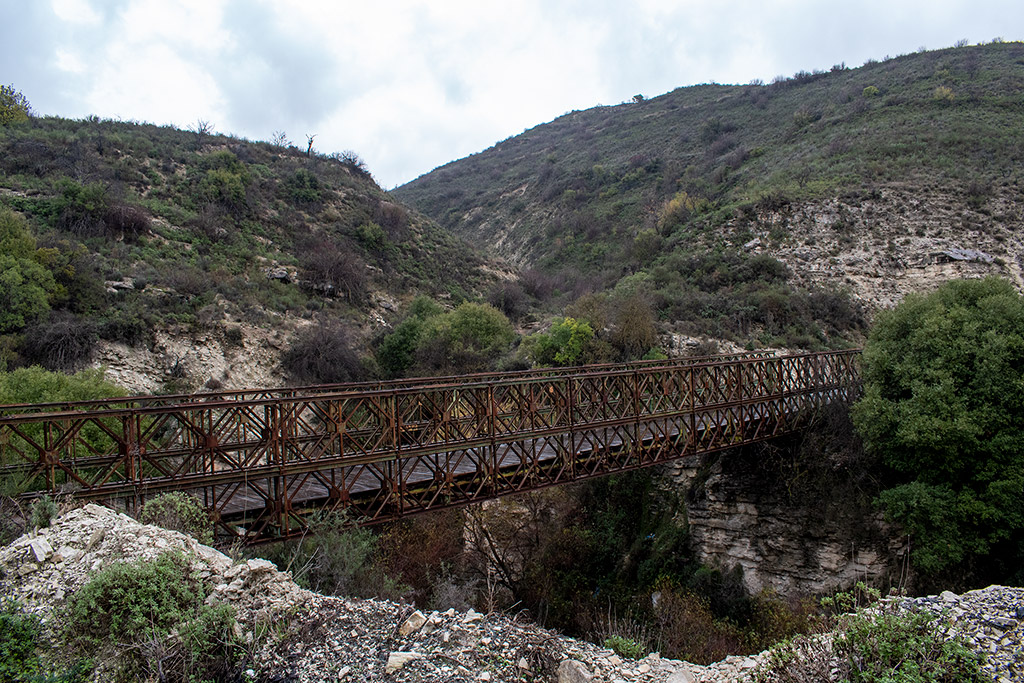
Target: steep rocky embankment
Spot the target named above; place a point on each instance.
(321, 638)
(886, 243)
(741, 516)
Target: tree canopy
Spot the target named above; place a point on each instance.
(14, 107)
(25, 284)
(429, 340)
(943, 408)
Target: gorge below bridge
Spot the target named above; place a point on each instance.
(261, 461)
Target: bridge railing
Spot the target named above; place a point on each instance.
(148, 401)
(260, 463)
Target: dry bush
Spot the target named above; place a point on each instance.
(423, 552)
(688, 630)
(510, 298)
(127, 219)
(394, 219)
(537, 284)
(324, 353)
(334, 270)
(635, 333)
(62, 341)
(514, 546)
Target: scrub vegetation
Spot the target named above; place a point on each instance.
(661, 195)
(111, 230)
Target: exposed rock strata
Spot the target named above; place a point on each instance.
(885, 244)
(738, 517)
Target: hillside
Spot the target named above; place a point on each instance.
(875, 181)
(177, 259)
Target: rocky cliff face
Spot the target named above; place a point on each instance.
(883, 244)
(796, 541)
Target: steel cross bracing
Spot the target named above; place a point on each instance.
(261, 461)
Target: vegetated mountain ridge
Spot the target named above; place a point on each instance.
(183, 259)
(881, 180)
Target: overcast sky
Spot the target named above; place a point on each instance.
(410, 85)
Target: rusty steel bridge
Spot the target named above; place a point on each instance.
(262, 460)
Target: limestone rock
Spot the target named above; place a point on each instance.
(41, 550)
(572, 671)
(681, 676)
(414, 623)
(396, 660)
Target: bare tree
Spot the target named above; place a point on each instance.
(280, 139)
(202, 129)
(309, 145)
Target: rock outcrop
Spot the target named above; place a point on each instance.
(739, 517)
(883, 245)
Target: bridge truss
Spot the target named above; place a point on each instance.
(261, 461)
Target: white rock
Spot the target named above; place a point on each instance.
(413, 624)
(681, 676)
(396, 660)
(472, 617)
(40, 549)
(433, 623)
(572, 671)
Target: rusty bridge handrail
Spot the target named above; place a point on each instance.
(144, 400)
(260, 464)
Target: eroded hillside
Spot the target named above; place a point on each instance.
(181, 259)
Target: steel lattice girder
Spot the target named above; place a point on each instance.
(261, 460)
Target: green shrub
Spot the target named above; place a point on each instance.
(21, 644)
(338, 558)
(888, 644)
(19, 637)
(873, 641)
(395, 352)
(14, 107)
(26, 284)
(82, 209)
(178, 511)
(302, 188)
(942, 408)
(467, 339)
(25, 289)
(149, 617)
(371, 236)
(564, 343)
(42, 512)
(36, 385)
(627, 647)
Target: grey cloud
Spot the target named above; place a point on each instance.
(272, 80)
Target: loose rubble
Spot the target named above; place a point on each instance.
(990, 621)
(322, 638)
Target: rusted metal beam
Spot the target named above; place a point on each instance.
(262, 460)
